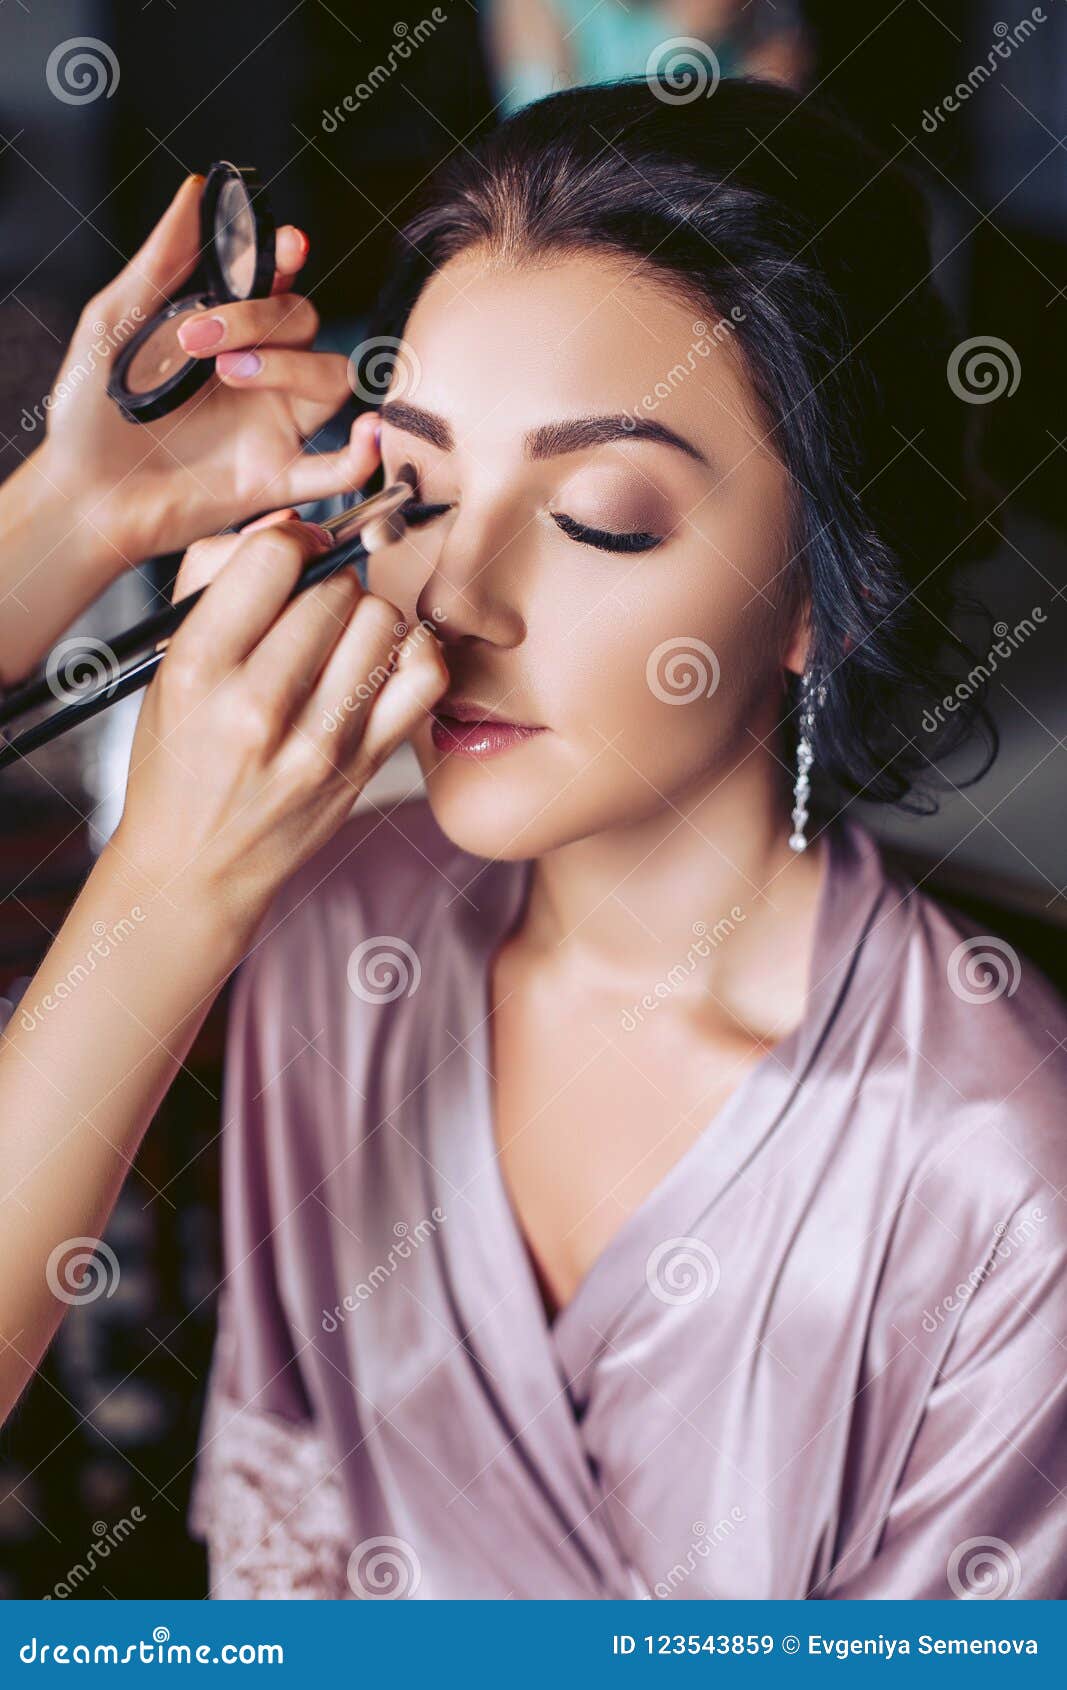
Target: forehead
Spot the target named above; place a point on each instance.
(497, 348)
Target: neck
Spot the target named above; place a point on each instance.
(625, 906)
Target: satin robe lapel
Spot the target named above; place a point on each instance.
(491, 1283)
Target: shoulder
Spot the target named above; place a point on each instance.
(975, 1041)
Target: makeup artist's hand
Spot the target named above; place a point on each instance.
(265, 722)
(98, 493)
(235, 447)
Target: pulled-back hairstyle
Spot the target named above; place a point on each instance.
(758, 208)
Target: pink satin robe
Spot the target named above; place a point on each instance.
(825, 1357)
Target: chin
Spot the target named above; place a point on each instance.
(497, 807)
(486, 815)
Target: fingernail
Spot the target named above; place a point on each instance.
(321, 534)
(201, 332)
(239, 364)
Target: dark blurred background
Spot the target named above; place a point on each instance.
(99, 1451)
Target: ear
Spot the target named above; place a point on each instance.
(795, 655)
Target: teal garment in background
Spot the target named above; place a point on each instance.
(603, 42)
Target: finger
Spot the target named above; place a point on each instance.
(315, 381)
(362, 661)
(285, 319)
(419, 679)
(245, 600)
(285, 666)
(291, 247)
(205, 558)
(323, 475)
(169, 254)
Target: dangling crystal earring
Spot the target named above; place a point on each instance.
(810, 696)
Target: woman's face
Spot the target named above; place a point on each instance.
(650, 673)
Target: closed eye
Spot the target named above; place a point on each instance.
(599, 537)
(416, 514)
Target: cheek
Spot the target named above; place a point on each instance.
(664, 664)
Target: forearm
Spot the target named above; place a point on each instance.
(55, 559)
(88, 1055)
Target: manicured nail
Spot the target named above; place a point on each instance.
(321, 534)
(239, 364)
(201, 332)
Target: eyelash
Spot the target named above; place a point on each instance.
(416, 514)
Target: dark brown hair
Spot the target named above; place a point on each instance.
(759, 207)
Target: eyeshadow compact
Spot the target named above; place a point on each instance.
(153, 374)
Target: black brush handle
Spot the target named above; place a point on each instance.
(158, 627)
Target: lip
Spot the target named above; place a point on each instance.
(462, 728)
(469, 710)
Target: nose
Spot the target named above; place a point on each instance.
(474, 589)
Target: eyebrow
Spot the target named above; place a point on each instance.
(548, 440)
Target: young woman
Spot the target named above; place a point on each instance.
(620, 1199)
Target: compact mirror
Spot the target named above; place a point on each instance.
(152, 374)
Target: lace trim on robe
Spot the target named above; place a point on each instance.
(268, 1507)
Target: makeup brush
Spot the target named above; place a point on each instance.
(357, 533)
